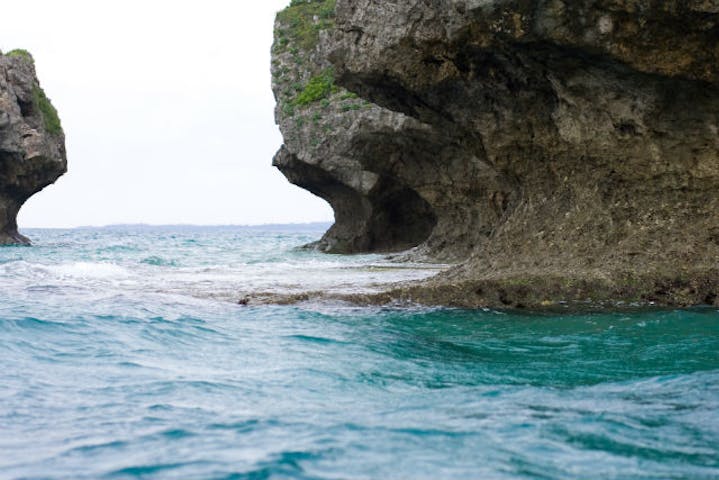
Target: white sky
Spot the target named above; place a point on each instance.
(167, 109)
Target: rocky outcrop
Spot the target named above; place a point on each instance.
(362, 158)
(32, 143)
(563, 150)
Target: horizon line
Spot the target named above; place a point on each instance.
(214, 225)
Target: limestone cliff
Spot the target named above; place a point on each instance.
(327, 131)
(564, 150)
(32, 143)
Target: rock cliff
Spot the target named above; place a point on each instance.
(32, 143)
(327, 131)
(560, 150)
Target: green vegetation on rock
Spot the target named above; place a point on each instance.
(19, 52)
(40, 101)
(303, 21)
(319, 87)
(48, 112)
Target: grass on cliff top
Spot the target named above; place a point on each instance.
(303, 21)
(48, 112)
(19, 52)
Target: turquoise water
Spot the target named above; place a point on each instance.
(120, 361)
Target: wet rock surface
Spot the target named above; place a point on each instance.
(32, 143)
(559, 151)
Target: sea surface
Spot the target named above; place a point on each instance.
(124, 355)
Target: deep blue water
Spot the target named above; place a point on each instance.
(117, 362)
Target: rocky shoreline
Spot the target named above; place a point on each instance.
(535, 293)
(556, 151)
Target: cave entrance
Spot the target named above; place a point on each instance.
(401, 219)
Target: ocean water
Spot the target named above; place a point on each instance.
(124, 356)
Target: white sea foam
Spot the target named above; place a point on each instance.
(213, 280)
(221, 265)
(89, 270)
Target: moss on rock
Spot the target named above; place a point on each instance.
(49, 114)
(319, 87)
(19, 52)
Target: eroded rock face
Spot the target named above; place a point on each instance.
(567, 150)
(382, 172)
(32, 143)
(329, 136)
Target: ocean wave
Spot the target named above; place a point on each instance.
(64, 270)
(89, 270)
(112, 367)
